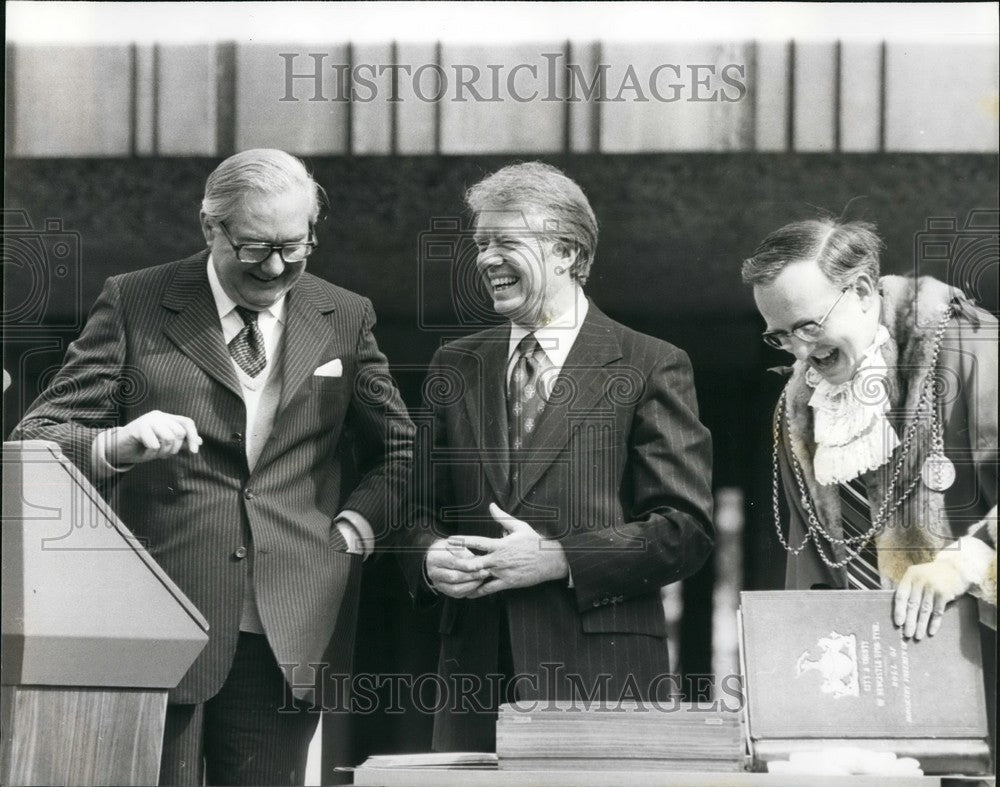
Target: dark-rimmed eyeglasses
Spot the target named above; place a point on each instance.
(807, 332)
(255, 252)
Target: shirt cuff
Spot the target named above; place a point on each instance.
(363, 537)
(99, 456)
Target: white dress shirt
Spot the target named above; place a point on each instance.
(556, 338)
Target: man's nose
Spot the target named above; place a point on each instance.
(273, 265)
(488, 257)
(798, 347)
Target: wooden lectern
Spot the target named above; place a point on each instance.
(94, 632)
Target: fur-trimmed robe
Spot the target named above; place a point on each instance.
(966, 387)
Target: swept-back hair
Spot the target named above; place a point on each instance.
(841, 249)
(257, 171)
(547, 189)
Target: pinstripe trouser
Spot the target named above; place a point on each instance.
(239, 736)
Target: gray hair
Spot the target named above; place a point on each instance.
(257, 171)
(544, 187)
(842, 250)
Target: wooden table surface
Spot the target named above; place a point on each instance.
(491, 777)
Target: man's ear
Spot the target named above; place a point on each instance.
(206, 228)
(567, 251)
(866, 290)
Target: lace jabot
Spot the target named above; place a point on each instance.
(851, 430)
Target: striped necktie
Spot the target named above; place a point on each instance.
(856, 519)
(247, 347)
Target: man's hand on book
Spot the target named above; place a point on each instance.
(922, 595)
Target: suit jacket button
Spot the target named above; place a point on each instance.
(237, 437)
(248, 494)
(240, 553)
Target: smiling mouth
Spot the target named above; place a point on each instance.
(503, 283)
(823, 360)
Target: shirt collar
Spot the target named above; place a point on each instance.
(224, 304)
(558, 336)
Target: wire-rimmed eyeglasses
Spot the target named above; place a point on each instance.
(807, 332)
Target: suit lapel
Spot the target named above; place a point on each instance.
(582, 385)
(195, 329)
(486, 406)
(308, 333)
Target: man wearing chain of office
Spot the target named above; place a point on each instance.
(885, 437)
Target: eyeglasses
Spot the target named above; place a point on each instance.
(256, 252)
(807, 332)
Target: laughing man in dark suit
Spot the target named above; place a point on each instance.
(249, 376)
(569, 483)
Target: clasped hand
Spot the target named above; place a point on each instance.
(475, 566)
(154, 435)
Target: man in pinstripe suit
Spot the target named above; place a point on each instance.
(282, 444)
(569, 478)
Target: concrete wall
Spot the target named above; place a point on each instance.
(554, 97)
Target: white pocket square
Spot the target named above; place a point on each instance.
(332, 368)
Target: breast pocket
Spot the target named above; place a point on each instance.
(329, 397)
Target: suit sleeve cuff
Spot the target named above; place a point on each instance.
(363, 530)
(99, 456)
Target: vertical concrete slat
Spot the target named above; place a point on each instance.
(225, 98)
(187, 108)
(815, 97)
(859, 97)
(72, 100)
(372, 111)
(673, 97)
(10, 100)
(313, 120)
(770, 87)
(583, 61)
(415, 117)
(941, 97)
(511, 101)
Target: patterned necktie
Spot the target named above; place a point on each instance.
(247, 347)
(524, 397)
(856, 520)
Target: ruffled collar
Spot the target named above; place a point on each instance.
(852, 433)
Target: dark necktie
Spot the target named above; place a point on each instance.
(247, 347)
(524, 396)
(856, 520)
